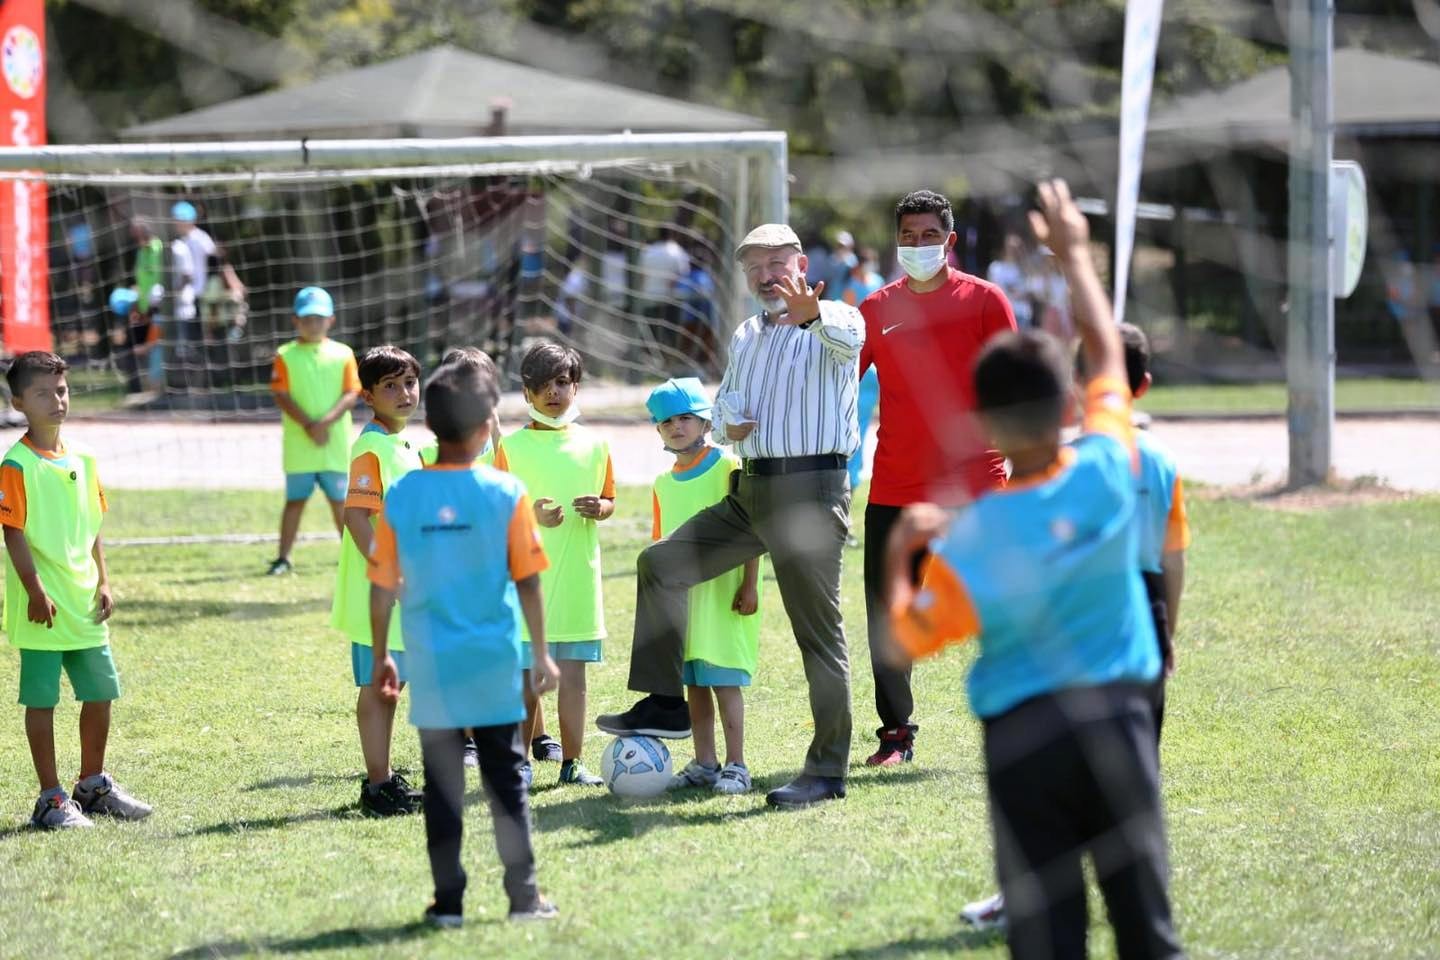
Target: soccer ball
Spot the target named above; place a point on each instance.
(636, 767)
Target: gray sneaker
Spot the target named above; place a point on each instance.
(57, 811)
(105, 796)
(541, 909)
(733, 779)
(695, 774)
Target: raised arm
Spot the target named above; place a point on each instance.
(1060, 224)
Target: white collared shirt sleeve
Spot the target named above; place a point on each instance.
(841, 328)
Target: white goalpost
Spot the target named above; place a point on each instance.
(618, 244)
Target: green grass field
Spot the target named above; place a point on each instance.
(1300, 773)
(1358, 395)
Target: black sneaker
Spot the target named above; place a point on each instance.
(389, 799)
(416, 796)
(649, 718)
(278, 567)
(546, 748)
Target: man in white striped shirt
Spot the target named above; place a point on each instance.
(788, 403)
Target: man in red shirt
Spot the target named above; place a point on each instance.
(922, 333)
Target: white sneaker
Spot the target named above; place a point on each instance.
(105, 796)
(58, 812)
(695, 774)
(987, 914)
(734, 778)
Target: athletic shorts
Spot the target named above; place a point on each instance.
(299, 486)
(362, 663)
(701, 673)
(91, 672)
(585, 651)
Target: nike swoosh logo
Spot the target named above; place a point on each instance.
(885, 330)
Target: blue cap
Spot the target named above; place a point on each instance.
(184, 211)
(123, 300)
(314, 302)
(674, 397)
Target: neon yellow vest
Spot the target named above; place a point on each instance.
(563, 465)
(715, 633)
(62, 520)
(431, 452)
(317, 379)
(350, 611)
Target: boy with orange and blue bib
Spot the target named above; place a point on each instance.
(437, 540)
(1046, 574)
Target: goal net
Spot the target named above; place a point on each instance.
(619, 245)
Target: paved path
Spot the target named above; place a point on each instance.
(175, 455)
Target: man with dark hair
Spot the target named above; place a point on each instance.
(787, 401)
(922, 335)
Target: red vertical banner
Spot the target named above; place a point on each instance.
(24, 223)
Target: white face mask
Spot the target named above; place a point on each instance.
(921, 263)
(564, 420)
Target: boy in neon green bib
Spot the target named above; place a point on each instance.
(381, 455)
(57, 595)
(315, 383)
(566, 469)
(722, 638)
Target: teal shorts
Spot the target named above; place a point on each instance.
(91, 672)
(362, 664)
(701, 673)
(586, 651)
(332, 483)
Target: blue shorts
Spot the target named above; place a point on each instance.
(362, 663)
(700, 673)
(299, 486)
(585, 651)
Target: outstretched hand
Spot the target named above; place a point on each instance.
(1058, 223)
(802, 301)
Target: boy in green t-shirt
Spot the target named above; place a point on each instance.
(390, 384)
(566, 469)
(57, 594)
(315, 384)
(722, 637)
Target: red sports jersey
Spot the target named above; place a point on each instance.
(924, 348)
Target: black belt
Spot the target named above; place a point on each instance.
(771, 466)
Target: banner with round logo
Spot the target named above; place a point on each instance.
(24, 224)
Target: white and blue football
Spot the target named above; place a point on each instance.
(636, 767)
